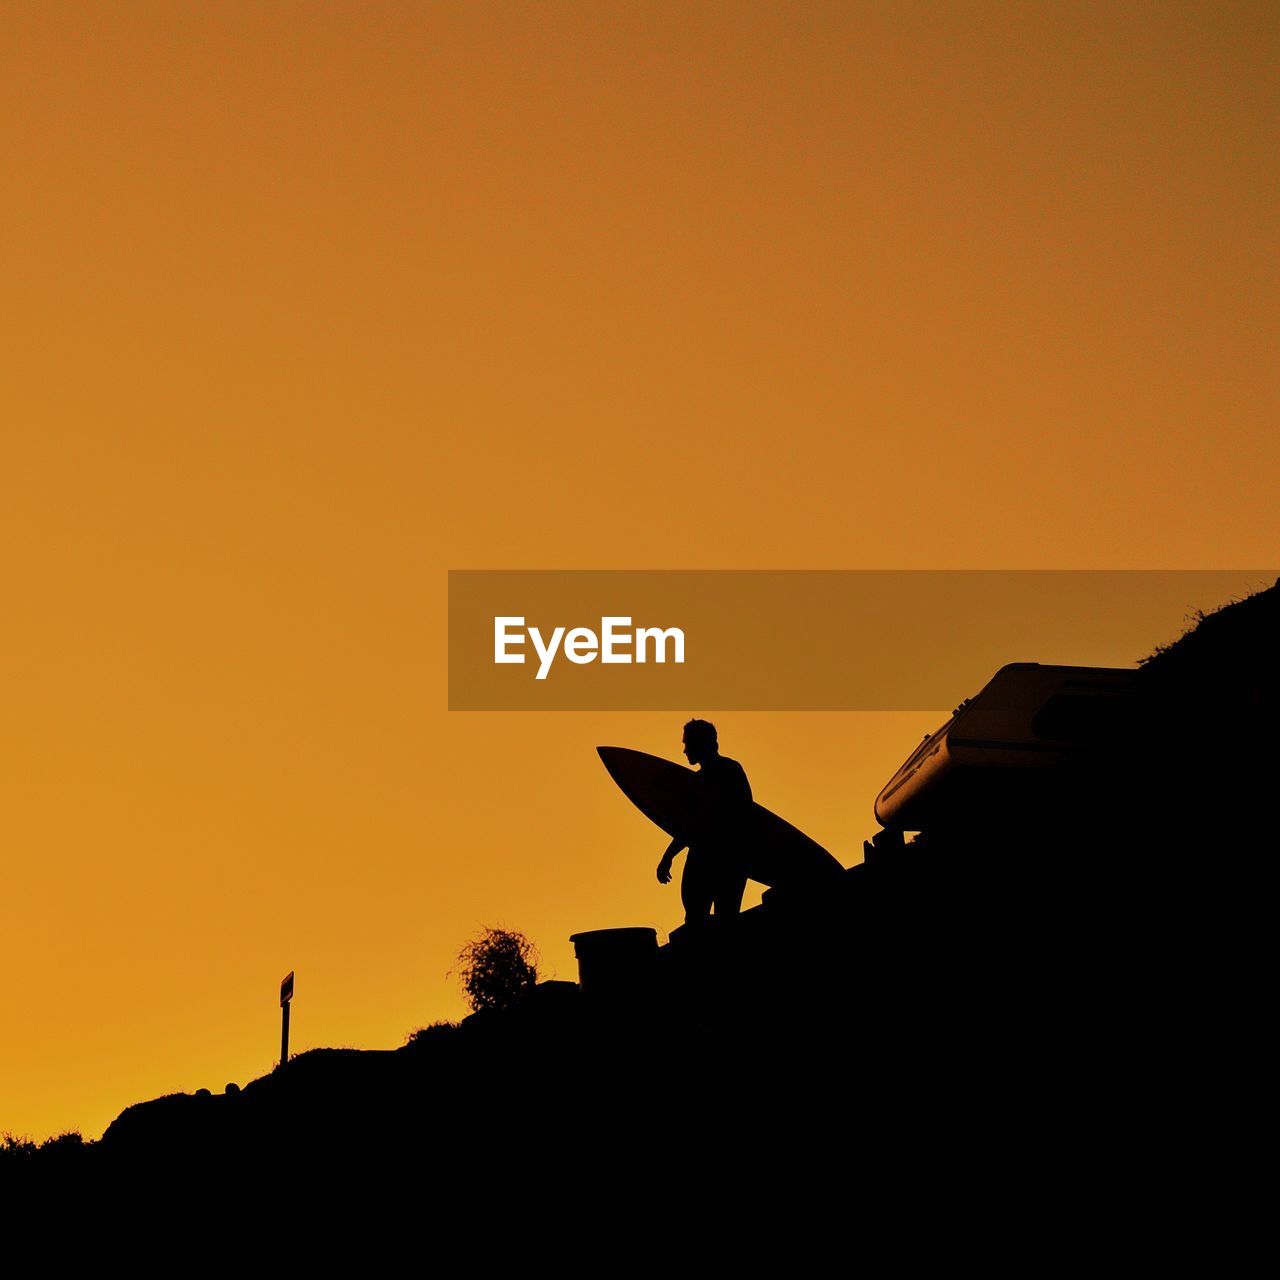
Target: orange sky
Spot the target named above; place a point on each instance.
(306, 304)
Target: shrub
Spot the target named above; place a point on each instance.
(436, 1031)
(62, 1148)
(497, 968)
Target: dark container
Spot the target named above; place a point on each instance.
(616, 962)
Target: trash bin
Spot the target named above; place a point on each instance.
(616, 962)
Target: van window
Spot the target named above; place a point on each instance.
(1081, 720)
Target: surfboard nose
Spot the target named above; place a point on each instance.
(626, 764)
(617, 762)
(612, 756)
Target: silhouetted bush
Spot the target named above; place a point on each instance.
(436, 1031)
(497, 968)
(18, 1152)
(14, 1149)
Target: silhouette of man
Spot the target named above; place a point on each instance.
(715, 872)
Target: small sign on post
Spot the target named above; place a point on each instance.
(286, 995)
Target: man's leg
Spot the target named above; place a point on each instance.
(697, 887)
(729, 890)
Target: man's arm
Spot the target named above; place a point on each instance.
(664, 867)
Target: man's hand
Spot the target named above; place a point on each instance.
(664, 867)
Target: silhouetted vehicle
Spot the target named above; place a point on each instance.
(1029, 725)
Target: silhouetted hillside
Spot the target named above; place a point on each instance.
(1046, 981)
(1240, 637)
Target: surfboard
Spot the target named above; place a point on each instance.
(778, 854)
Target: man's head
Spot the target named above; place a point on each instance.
(700, 741)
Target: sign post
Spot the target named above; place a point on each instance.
(286, 995)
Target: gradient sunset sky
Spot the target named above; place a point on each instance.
(306, 304)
